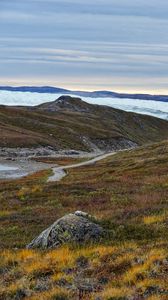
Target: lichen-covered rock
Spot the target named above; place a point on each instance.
(77, 228)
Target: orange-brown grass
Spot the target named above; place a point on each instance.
(62, 161)
(126, 269)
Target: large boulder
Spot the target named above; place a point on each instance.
(76, 227)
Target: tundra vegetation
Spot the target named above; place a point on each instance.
(128, 195)
(70, 123)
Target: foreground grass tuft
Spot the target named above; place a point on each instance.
(123, 271)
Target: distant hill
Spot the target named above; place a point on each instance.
(67, 103)
(70, 123)
(95, 94)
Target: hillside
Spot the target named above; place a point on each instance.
(70, 123)
(127, 193)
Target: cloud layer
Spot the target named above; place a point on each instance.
(153, 108)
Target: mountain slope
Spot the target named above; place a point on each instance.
(70, 123)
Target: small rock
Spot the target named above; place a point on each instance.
(81, 214)
(82, 262)
(21, 294)
(42, 285)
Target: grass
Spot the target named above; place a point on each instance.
(119, 271)
(127, 193)
(61, 161)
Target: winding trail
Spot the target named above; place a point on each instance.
(59, 172)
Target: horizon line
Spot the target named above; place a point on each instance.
(150, 93)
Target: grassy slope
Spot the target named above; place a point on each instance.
(128, 193)
(65, 129)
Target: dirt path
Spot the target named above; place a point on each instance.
(23, 167)
(59, 172)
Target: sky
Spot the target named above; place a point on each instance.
(119, 45)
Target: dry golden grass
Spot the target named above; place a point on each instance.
(128, 268)
(115, 293)
(148, 220)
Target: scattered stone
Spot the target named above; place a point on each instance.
(72, 228)
(21, 294)
(82, 262)
(89, 285)
(103, 280)
(81, 214)
(42, 284)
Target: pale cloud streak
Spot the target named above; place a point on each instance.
(105, 40)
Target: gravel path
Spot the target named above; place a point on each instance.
(22, 167)
(59, 172)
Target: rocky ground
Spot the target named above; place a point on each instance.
(18, 168)
(14, 153)
(22, 161)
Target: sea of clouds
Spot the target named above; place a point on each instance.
(153, 108)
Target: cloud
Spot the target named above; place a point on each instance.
(15, 17)
(157, 109)
(80, 38)
(101, 7)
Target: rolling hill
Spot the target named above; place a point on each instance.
(70, 123)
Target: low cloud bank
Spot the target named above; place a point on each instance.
(154, 108)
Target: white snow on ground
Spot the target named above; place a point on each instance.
(155, 108)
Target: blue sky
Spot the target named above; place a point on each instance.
(119, 45)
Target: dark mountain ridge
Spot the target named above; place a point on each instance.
(94, 94)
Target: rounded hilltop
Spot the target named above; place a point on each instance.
(67, 102)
